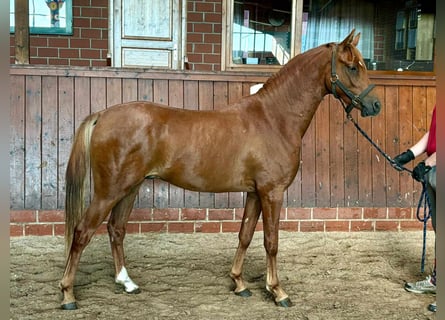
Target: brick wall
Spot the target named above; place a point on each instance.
(190, 220)
(204, 28)
(88, 46)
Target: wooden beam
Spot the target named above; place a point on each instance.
(21, 31)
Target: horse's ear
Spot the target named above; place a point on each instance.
(350, 38)
(356, 39)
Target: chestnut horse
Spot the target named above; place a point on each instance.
(251, 146)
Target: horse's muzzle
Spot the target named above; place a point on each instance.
(371, 109)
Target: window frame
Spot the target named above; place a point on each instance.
(67, 30)
(227, 27)
(296, 37)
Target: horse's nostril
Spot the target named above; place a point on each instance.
(377, 106)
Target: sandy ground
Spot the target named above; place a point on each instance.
(186, 276)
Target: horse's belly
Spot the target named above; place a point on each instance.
(213, 182)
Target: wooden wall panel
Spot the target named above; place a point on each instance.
(339, 168)
(49, 161)
(17, 142)
(33, 121)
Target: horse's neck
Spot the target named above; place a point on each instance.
(294, 93)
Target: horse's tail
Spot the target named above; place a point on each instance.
(76, 171)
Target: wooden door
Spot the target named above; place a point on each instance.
(146, 33)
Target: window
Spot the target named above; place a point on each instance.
(261, 34)
(46, 16)
(396, 36)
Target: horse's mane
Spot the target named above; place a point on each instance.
(296, 64)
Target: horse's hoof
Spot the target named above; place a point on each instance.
(245, 293)
(119, 288)
(285, 303)
(69, 306)
(135, 291)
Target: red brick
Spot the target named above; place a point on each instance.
(212, 38)
(153, 227)
(80, 63)
(58, 42)
(221, 214)
(51, 216)
(411, 225)
(209, 227)
(400, 213)
(212, 58)
(47, 52)
(195, 17)
(133, 227)
(324, 213)
(339, 226)
(217, 28)
(310, 226)
(15, 230)
(38, 60)
(99, 44)
(204, 7)
(58, 62)
(79, 43)
(195, 38)
(26, 216)
(95, 63)
(194, 58)
(102, 229)
(349, 213)
(362, 226)
(140, 215)
(91, 33)
(374, 213)
(166, 214)
(35, 41)
(298, 213)
(90, 54)
(193, 214)
(203, 48)
(386, 226)
(79, 22)
(231, 226)
(213, 17)
(289, 225)
(90, 12)
(59, 229)
(239, 213)
(39, 230)
(202, 67)
(181, 227)
(202, 27)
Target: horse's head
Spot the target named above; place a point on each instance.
(349, 80)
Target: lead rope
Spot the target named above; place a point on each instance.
(424, 199)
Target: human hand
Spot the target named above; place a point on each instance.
(420, 171)
(403, 159)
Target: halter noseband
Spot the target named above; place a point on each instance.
(335, 81)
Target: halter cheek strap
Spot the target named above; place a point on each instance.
(335, 81)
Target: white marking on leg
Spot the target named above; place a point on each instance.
(123, 279)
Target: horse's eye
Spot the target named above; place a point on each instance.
(353, 69)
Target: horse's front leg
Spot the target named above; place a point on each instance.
(271, 204)
(250, 218)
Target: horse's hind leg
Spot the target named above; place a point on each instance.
(117, 230)
(252, 212)
(94, 216)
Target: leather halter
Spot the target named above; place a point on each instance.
(335, 81)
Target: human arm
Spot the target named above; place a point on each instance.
(413, 152)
